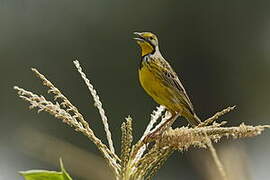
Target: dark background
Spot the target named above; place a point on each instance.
(220, 49)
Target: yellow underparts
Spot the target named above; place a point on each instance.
(146, 48)
(157, 89)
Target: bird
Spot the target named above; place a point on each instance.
(160, 81)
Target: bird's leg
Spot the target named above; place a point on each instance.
(163, 127)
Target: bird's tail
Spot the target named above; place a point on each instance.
(192, 118)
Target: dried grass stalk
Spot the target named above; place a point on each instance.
(216, 116)
(58, 95)
(98, 104)
(127, 138)
(184, 137)
(216, 159)
(156, 114)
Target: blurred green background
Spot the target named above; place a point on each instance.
(220, 49)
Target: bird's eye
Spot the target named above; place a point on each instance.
(151, 38)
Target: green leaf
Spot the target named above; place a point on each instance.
(42, 175)
(46, 175)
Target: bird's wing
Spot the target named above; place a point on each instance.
(172, 79)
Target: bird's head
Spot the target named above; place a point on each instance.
(147, 41)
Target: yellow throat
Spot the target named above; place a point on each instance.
(146, 48)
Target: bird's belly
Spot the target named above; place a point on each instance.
(157, 89)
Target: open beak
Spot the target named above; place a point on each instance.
(138, 37)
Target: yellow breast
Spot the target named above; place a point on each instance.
(148, 81)
(156, 88)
